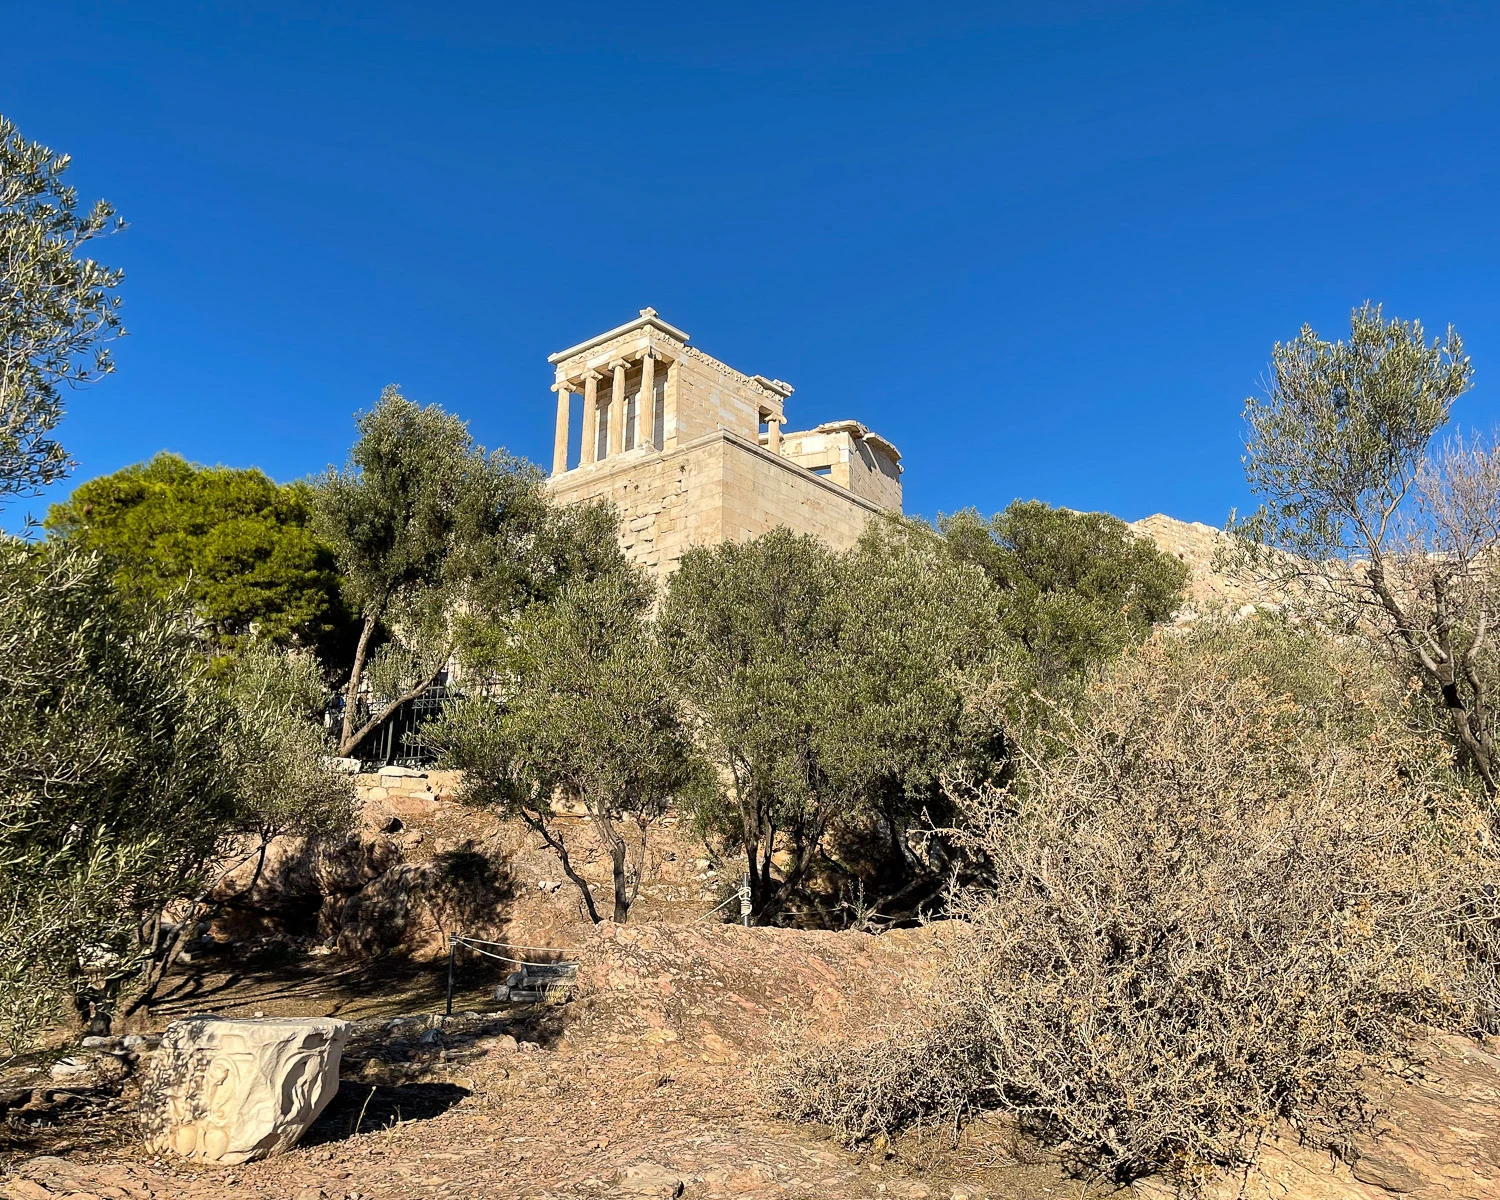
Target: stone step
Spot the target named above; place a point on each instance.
(517, 995)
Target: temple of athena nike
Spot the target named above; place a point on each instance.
(692, 452)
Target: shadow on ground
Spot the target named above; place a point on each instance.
(283, 984)
(369, 1108)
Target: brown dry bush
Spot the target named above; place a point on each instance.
(1228, 884)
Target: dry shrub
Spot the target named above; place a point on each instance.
(1229, 883)
(913, 1077)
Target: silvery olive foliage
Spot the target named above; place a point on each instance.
(1376, 527)
(828, 688)
(436, 540)
(58, 307)
(130, 781)
(578, 711)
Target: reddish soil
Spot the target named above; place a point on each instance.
(645, 1085)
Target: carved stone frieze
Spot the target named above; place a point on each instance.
(634, 341)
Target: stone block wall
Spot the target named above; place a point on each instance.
(405, 792)
(715, 488)
(711, 396)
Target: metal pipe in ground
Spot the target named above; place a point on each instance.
(451, 946)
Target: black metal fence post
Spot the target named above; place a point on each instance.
(451, 945)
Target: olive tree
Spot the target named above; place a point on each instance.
(425, 528)
(58, 307)
(578, 711)
(130, 784)
(825, 688)
(1395, 536)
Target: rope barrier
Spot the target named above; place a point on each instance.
(463, 937)
(521, 962)
(456, 940)
(718, 906)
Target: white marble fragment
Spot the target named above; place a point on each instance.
(231, 1091)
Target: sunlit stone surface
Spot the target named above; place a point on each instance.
(230, 1091)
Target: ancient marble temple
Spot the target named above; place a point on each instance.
(692, 452)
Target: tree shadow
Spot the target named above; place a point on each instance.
(370, 1107)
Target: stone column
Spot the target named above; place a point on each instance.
(617, 410)
(645, 404)
(590, 446)
(564, 391)
(669, 406)
(773, 433)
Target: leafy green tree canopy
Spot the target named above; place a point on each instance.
(579, 708)
(828, 688)
(59, 310)
(435, 538)
(1074, 588)
(234, 544)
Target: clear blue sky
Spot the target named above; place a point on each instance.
(1045, 249)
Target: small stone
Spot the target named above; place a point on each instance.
(72, 1067)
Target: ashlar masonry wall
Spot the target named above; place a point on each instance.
(850, 455)
(716, 487)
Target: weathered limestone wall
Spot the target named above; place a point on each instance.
(715, 488)
(852, 457)
(712, 396)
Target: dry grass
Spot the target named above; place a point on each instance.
(1227, 886)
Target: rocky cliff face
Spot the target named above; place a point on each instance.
(1211, 583)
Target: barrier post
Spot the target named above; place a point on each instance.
(745, 903)
(451, 944)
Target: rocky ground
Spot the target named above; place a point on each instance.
(649, 1081)
(645, 1084)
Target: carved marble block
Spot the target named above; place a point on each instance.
(230, 1091)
